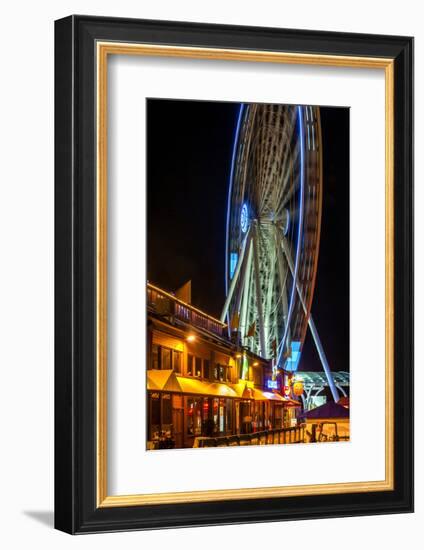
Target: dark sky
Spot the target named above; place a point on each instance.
(189, 149)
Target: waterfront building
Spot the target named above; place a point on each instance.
(202, 386)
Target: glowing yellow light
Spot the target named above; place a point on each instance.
(191, 338)
(255, 364)
(238, 356)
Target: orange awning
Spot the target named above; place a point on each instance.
(292, 402)
(259, 395)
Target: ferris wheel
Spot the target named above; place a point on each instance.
(273, 232)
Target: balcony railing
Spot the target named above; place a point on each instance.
(163, 303)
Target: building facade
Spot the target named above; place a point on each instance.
(201, 386)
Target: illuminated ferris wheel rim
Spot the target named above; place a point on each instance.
(252, 222)
(231, 179)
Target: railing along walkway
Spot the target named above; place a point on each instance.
(266, 437)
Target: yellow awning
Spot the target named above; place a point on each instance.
(167, 380)
(157, 379)
(191, 385)
(243, 391)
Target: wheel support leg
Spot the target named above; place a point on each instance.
(313, 329)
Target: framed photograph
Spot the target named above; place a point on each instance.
(234, 274)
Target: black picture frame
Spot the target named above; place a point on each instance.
(76, 510)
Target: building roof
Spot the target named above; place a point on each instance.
(328, 410)
(344, 401)
(309, 378)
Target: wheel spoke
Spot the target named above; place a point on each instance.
(235, 278)
(244, 319)
(258, 290)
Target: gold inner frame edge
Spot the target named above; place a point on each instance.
(103, 49)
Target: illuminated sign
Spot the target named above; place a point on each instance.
(245, 367)
(272, 384)
(244, 218)
(292, 361)
(298, 387)
(233, 263)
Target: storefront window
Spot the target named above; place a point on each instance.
(221, 415)
(154, 415)
(198, 418)
(190, 365)
(177, 359)
(155, 408)
(257, 377)
(206, 368)
(215, 409)
(155, 357)
(166, 409)
(208, 426)
(229, 415)
(166, 359)
(198, 366)
(220, 372)
(246, 418)
(278, 416)
(194, 416)
(258, 416)
(160, 420)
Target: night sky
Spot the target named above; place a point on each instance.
(189, 150)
